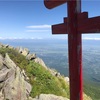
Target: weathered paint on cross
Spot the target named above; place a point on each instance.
(75, 51)
(76, 24)
(85, 25)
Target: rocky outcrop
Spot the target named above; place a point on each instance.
(31, 56)
(1, 62)
(23, 51)
(49, 97)
(40, 61)
(6, 46)
(13, 84)
(54, 72)
(66, 79)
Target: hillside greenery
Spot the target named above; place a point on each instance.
(92, 90)
(40, 78)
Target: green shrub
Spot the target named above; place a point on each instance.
(92, 90)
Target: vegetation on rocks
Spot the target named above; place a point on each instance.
(92, 91)
(41, 79)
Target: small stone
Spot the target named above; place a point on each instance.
(49, 97)
(66, 79)
(31, 56)
(25, 52)
(40, 61)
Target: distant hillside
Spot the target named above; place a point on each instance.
(24, 76)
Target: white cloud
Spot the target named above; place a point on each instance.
(1, 38)
(37, 30)
(87, 38)
(39, 26)
(20, 38)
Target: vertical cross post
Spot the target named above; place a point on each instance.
(75, 51)
(74, 25)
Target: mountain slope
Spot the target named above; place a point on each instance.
(42, 79)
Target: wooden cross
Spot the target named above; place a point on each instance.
(74, 25)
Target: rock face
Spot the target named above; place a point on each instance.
(12, 81)
(31, 56)
(23, 51)
(49, 97)
(40, 61)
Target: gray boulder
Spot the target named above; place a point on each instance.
(13, 85)
(49, 97)
(41, 62)
(1, 62)
(25, 52)
(66, 79)
(6, 46)
(54, 72)
(31, 56)
(16, 87)
(9, 63)
(19, 49)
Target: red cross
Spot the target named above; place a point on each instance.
(76, 24)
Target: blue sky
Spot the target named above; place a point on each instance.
(31, 19)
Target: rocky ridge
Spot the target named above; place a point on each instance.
(14, 83)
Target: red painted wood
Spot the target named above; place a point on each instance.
(90, 25)
(81, 17)
(90, 29)
(76, 24)
(59, 29)
(85, 25)
(54, 3)
(75, 51)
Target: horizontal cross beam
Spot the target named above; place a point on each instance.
(62, 29)
(59, 29)
(85, 25)
(90, 25)
(53, 3)
(81, 16)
